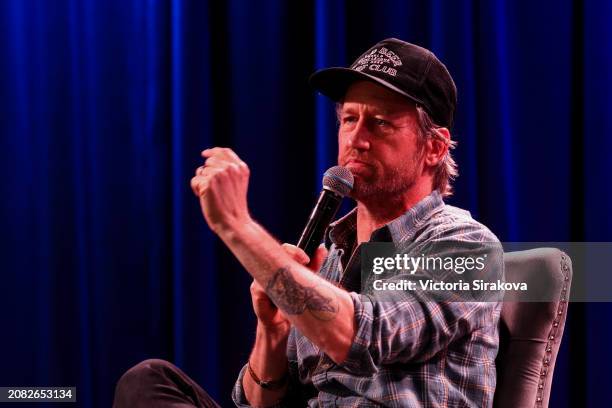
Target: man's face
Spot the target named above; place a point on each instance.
(377, 141)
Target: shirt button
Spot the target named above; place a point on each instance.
(326, 363)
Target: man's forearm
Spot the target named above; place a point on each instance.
(318, 309)
(269, 362)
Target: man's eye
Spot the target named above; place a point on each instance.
(381, 122)
(349, 119)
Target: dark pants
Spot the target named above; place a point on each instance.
(157, 384)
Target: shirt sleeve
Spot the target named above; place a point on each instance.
(413, 326)
(407, 332)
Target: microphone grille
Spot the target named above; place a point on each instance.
(339, 180)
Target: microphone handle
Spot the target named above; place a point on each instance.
(320, 218)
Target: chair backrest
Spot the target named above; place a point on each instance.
(531, 332)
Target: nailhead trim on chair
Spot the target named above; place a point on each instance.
(553, 333)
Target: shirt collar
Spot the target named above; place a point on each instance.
(343, 232)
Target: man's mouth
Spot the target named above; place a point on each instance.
(356, 162)
(358, 166)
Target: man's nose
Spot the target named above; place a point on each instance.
(359, 138)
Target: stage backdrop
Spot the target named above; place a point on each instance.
(105, 106)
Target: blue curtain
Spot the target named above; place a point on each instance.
(105, 106)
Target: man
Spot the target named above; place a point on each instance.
(319, 340)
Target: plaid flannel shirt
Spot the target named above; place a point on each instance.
(404, 354)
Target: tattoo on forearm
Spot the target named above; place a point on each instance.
(294, 298)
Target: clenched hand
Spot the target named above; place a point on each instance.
(221, 185)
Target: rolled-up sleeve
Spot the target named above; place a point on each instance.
(409, 331)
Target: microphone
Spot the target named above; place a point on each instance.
(337, 182)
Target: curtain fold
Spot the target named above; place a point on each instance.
(106, 105)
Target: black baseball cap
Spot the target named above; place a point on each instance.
(400, 66)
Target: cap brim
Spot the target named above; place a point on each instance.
(334, 82)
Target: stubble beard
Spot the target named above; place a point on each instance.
(386, 186)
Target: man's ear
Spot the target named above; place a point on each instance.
(436, 149)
